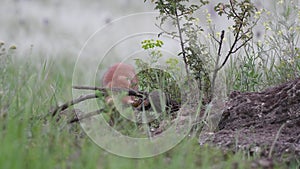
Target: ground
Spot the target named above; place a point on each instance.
(266, 123)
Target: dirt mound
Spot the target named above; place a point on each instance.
(265, 122)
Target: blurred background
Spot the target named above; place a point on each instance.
(56, 28)
(50, 35)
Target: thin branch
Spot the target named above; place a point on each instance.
(243, 44)
(217, 64)
(182, 45)
(173, 107)
(81, 98)
(244, 34)
(232, 47)
(104, 90)
(221, 42)
(215, 39)
(87, 115)
(144, 95)
(234, 12)
(166, 32)
(166, 10)
(72, 102)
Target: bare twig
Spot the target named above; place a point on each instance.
(233, 10)
(243, 44)
(87, 115)
(220, 42)
(166, 32)
(143, 95)
(215, 39)
(71, 103)
(182, 45)
(232, 47)
(131, 92)
(81, 98)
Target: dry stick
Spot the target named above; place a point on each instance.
(93, 113)
(217, 64)
(93, 96)
(72, 102)
(233, 49)
(131, 92)
(233, 10)
(236, 39)
(87, 115)
(182, 47)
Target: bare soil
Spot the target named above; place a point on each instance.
(266, 123)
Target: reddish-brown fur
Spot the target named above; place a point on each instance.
(120, 75)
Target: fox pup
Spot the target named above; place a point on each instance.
(120, 75)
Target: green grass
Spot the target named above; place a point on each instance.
(31, 139)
